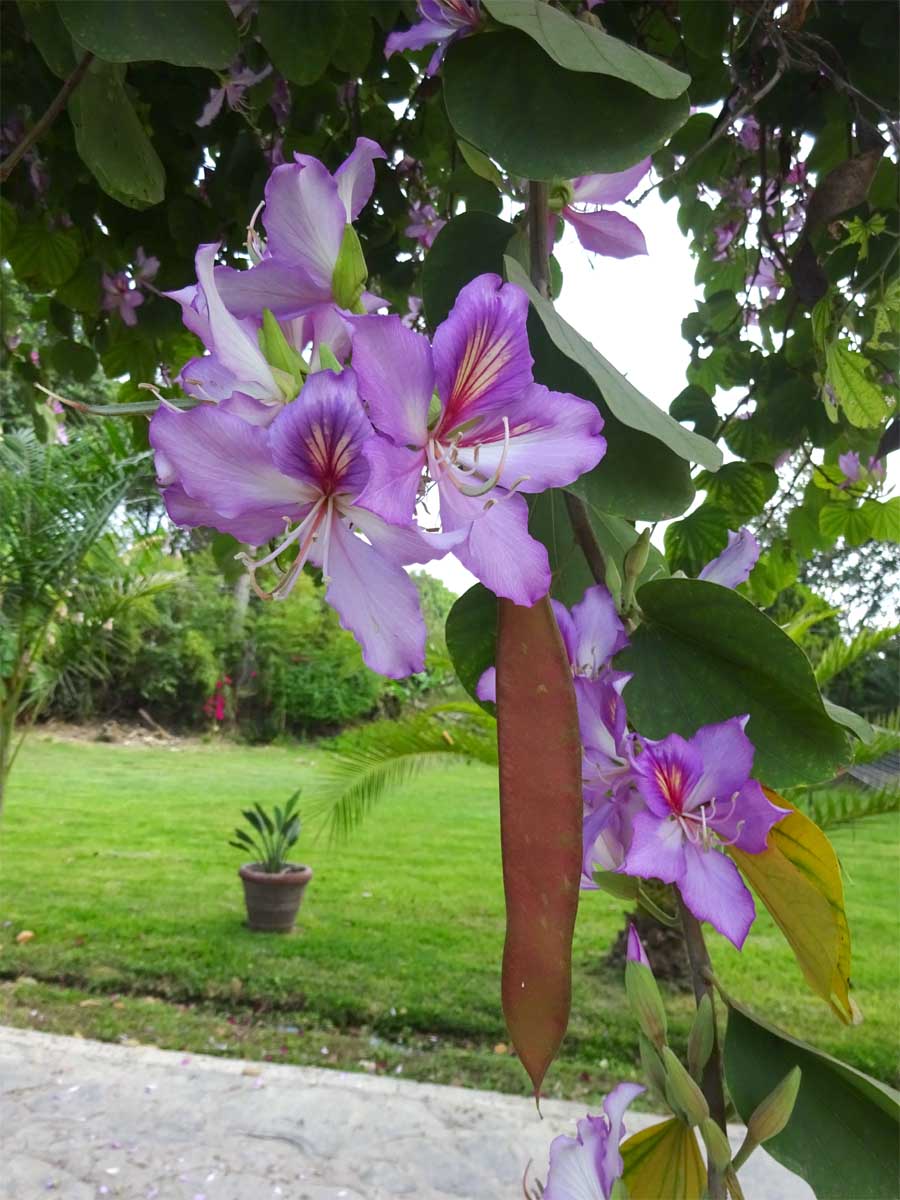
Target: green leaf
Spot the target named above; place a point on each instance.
(132, 354)
(625, 402)
(850, 720)
(740, 488)
(9, 225)
(45, 28)
(696, 539)
(43, 257)
(471, 633)
(580, 46)
(704, 654)
(354, 48)
(81, 291)
(300, 36)
(73, 359)
(540, 121)
(225, 549)
(481, 164)
(842, 1136)
(704, 26)
(479, 195)
(693, 404)
(663, 1162)
(202, 33)
(469, 245)
(883, 517)
(846, 520)
(111, 139)
(847, 372)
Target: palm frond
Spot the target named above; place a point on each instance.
(833, 807)
(885, 740)
(364, 767)
(839, 655)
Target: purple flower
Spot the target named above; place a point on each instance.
(737, 560)
(233, 86)
(424, 224)
(495, 433)
(849, 464)
(306, 212)
(301, 477)
(586, 1167)
(635, 951)
(598, 229)
(441, 22)
(280, 100)
(610, 799)
(748, 134)
(699, 798)
(146, 266)
(855, 472)
(725, 235)
(766, 279)
(121, 296)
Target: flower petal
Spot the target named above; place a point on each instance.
(498, 549)
(713, 890)
(355, 176)
(255, 529)
(320, 437)
(481, 355)
(609, 189)
(606, 232)
(599, 631)
(554, 438)
(486, 688)
(747, 822)
(575, 1163)
(614, 1106)
(377, 602)
(288, 289)
(417, 37)
(669, 771)
(305, 217)
(224, 462)
(727, 755)
(401, 544)
(657, 849)
(396, 377)
(393, 484)
(737, 560)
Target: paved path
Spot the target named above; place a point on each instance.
(80, 1120)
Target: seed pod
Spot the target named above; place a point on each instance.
(772, 1114)
(682, 1091)
(540, 828)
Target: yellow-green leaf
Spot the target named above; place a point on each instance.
(846, 372)
(798, 879)
(664, 1162)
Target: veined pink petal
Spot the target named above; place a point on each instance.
(255, 529)
(396, 377)
(746, 823)
(657, 849)
(606, 232)
(355, 177)
(667, 772)
(609, 189)
(393, 484)
(713, 890)
(305, 217)
(727, 755)
(319, 438)
(288, 289)
(194, 314)
(599, 632)
(417, 37)
(481, 355)
(737, 560)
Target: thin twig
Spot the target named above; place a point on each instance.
(40, 127)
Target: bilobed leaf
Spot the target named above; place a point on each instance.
(540, 121)
(44, 258)
(625, 402)
(842, 1135)
(703, 654)
(579, 46)
(111, 139)
(883, 517)
(845, 519)
(696, 539)
(539, 750)
(663, 1162)
(798, 879)
(300, 36)
(202, 33)
(847, 372)
(740, 488)
(469, 245)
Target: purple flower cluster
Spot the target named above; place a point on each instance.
(334, 462)
(441, 22)
(662, 809)
(122, 292)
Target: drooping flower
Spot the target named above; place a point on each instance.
(120, 295)
(586, 1167)
(424, 224)
(300, 477)
(307, 211)
(441, 22)
(598, 228)
(490, 433)
(737, 560)
(232, 88)
(699, 798)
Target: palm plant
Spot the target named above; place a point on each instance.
(55, 503)
(272, 837)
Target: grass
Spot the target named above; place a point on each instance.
(116, 858)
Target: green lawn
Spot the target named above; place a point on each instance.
(116, 858)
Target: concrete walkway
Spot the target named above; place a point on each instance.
(80, 1120)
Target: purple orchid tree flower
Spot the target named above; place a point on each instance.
(301, 477)
(120, 295)
(441, 22)
(634, 951)
(737, 560)
(586, 1167)
(495, 432)
(307, 210)
(724, 236)
(233, 86)
(146, 267)
(855, 472)
(765, 277)
(424, 224)
(600, 230)
(699, 798)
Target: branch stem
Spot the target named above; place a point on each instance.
(40, 127)
(711, 1084)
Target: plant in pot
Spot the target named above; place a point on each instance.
(273, 887)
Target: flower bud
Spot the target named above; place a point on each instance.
(682, 1091)
(702, 1036)
(636, 558)
(651, 1066)
(646, 1002)
(717, 1145)
(635, 951)
(350, 271)
(772, 1114)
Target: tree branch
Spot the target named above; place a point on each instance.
(713, 1090)
(40, 127)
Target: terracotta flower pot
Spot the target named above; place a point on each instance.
(273, 900)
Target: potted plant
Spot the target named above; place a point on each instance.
(273, 887)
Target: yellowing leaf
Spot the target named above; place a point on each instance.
(847, 372)
(798, 878)
(664, 1163)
